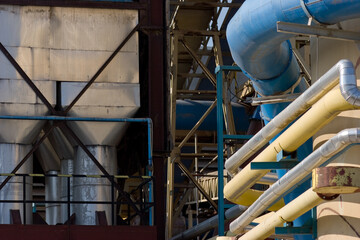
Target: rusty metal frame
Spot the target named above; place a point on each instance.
(76, 3)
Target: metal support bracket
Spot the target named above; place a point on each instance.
(295, 28)
(283, 162)
(273, 165)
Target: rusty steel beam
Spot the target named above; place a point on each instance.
(76, 232)
(155, 78)
(77, 4)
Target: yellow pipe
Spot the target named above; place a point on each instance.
(321, 113)
(289, 213)
(250, 196)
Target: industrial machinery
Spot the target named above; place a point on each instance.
(301, 58)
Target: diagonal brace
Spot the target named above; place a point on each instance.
(27, 79)
(101, 69)
(206, 71)
(65, 128)
(197, 185)
(35, 147)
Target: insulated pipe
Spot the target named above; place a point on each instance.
(93, 189)
(262, 52)
(210, 223)
(343, 70)
(264, 55)
(324, 111)
(52, 193)
(67, 168)
(10, 156)
(289, 213)
(332, 147)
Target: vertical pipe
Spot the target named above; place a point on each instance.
(66, 185)
(93, 189)
(10, 156)
(24, 198)
(52, 193)
(220, 142)
(112, 202)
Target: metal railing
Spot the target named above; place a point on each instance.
(143, 201)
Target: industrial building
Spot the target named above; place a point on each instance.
(179, 119)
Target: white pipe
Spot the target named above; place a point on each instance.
(295, 175)
(343, 69)
(289, 213)
(320, 114)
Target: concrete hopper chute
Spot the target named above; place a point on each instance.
(105, 100)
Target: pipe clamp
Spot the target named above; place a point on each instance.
(308, 14)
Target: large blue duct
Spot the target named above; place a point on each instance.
(265, 55)
(189, 112)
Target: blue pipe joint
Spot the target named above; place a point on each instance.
(283, 82)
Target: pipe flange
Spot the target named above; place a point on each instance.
(328, 197)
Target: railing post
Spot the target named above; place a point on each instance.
(112, 202)
(68, 200)
(24, 198)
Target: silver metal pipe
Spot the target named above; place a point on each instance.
(344, 70)
(333, 146)
(210, 223)
(67, 168)
(52, 193)
(269, 179)
(93, 189)
(10, 156)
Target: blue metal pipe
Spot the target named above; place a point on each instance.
(262, 52)
(188, 113)
(265, 55)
